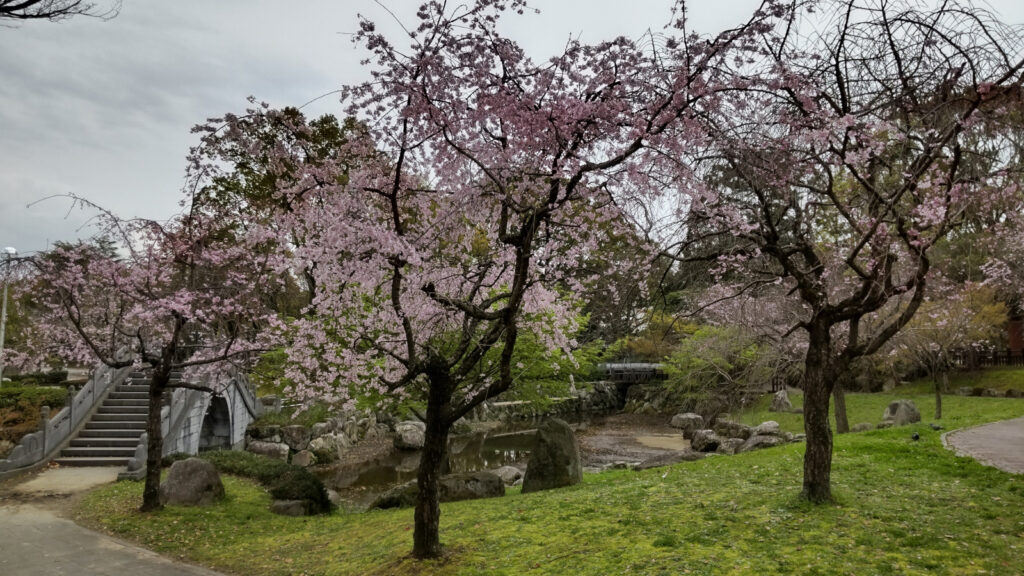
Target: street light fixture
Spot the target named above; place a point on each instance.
(9, 253)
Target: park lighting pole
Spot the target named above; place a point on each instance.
(8, 253)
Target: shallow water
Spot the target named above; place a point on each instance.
(468, 453)
(604, 440)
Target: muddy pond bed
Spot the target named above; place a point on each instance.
(374, 466)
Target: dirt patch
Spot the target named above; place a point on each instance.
(54, 488)
(628, 438)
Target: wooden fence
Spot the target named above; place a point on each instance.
(974, 359)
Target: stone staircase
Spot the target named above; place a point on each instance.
(110, 436)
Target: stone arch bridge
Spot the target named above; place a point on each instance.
(103, 422)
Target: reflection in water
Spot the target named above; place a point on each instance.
(467, 453)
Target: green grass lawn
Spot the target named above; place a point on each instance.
(903, 507)
(1001, 378)
(957, 411)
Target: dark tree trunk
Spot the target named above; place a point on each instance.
(426, 534)
(817, 389)
(155, 447)
(839, 398)
(940, 384)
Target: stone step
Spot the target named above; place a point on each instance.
(119, 417)
(112, 402)
(92, 461)
(115, 425)
(104, 442)
(134, 395)
(133, 433)
(94, 452)
(127, 410)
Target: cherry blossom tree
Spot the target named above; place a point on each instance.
(959, 319)
(185, 295)
(864, 134)
(491, 178)
(242, 161)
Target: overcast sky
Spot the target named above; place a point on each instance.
(104, 109)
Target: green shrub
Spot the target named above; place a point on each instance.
(38, 396)
(52, 378)
(300, 484)
(285, 481)
(248, 465)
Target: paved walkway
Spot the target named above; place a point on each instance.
(36, 541)
(1000, 444)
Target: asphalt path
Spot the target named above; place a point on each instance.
(36, 541)
(1000, 444)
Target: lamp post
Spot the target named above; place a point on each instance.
(9, 253)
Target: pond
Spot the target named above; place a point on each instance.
(604, 440)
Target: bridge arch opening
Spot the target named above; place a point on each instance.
(215, 433)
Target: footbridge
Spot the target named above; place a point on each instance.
(632, 372)
(103, 423)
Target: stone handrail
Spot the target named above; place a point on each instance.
(248, 395)
(173, 419)
(54, 432)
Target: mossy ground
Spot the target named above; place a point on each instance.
(903, 507)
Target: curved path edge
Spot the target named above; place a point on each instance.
(999, 444)
(36, 540)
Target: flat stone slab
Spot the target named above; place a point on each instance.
(1000, 444)
(69, 480)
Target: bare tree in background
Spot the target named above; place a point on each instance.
(55, 10)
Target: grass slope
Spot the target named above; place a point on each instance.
(1000, 378)
(903, 507)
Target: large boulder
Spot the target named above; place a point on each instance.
(295, 436)
(730, 445)
(901, 413)
(688, 422)
(292, 507)
(781, 402)
(271, 449)
(730, 429)
(509, 474)
(769, 428)
(320, 428)
(451, 488)
(410, 435)
(755, 442)
(705, 441)
(470, 486)
(554, 458)
(192, 482)
(303, 458)
(327, 448)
